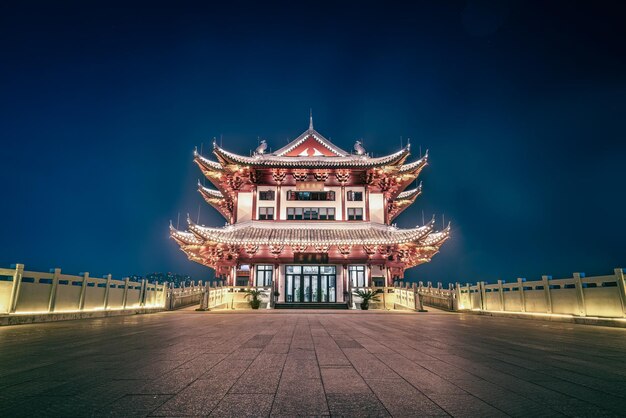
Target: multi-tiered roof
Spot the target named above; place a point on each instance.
(310, 156)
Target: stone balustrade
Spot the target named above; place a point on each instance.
(211, 295)
(599, 296)
(28, 292)
(183, 296)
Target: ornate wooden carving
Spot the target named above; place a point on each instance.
(342, 176)
(235, 182)
(253, 176)
(276, 249)
(385, 184)
(369, 250)
(279, 176)
(300, 175)
(252, 249)
(385, 250)
(321, 175)
(299, 248)
(322, 248)
(344, 250)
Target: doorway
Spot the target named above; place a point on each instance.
(310, 283)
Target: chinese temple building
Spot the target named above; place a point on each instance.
(310, 220)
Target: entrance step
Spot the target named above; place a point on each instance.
(310, 305)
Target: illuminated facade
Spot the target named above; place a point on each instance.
(310, 220)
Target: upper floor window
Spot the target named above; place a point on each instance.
(311, 214)
(355, 214)
(327, 214)
(355, 196)
(296, 195)
(266, 213)
(267, 195)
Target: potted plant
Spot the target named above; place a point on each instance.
(256, 297)
(367, 296)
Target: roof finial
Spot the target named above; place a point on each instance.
(310, 119)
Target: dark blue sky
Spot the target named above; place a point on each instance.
(522, 105)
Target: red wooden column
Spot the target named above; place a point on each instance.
(254, 193)
(343, 177)
(343, 202)
(367, 203)
(279, 177)
(275, 284)
(278, 198)
(346, 282)
(252, 278)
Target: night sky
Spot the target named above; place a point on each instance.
(522, 106)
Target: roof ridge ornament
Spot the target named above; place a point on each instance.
(310, 119)
(260, 150)
(358, 147)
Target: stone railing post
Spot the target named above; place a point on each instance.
(169, 304)
(501, 294)
(17, 285)
(621, 288)
(457, 302)
(546, 288)
(83, 290)
(522, 296)
(155, 293)
(125, 296)
(482, 296)
(53, 290)
(204, 299)
(105, 300)
(580, 295)
(142, 293)
(417, 300)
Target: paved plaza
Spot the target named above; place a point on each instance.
(284, 363)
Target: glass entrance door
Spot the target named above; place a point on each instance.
(310, 283)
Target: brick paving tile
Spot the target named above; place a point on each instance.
(282, 363)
